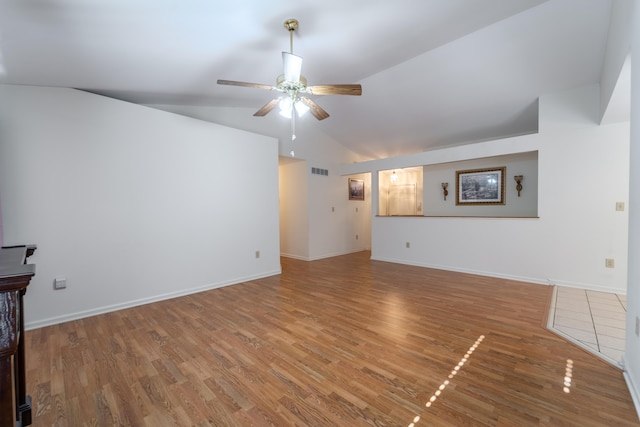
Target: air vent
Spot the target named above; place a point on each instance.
(318, 171)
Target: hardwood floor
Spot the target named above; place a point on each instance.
(343, 341)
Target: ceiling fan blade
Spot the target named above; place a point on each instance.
(317, 111)
(245, 84)
(292, 66)
(335, 90)
(267, 108)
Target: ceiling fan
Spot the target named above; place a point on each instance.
(293, 86)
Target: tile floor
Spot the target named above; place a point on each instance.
(593, 320)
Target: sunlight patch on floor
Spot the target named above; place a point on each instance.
(452, 374)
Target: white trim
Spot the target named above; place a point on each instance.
(541, 281)
(110, 308)
(298, 257)
(634, 390)
(331, 255)
(467, 271)
(589, 287)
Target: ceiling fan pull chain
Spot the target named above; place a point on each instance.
(293, 124)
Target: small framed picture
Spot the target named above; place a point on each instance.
(356, 189)
(481, 186)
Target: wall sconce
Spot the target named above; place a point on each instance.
(394, 177)
(445, 192)
(518, 179)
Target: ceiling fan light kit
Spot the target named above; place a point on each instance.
(293, 86)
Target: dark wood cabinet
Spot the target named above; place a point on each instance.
(15, 275)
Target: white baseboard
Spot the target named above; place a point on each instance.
(588, 286)
(128, 304)
(466, 270)
(323, 256)
(634, 389)
(538, 280)
(301, 258)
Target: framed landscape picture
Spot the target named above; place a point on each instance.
(356, 189)
(481, 186)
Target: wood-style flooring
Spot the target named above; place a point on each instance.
(343, 341)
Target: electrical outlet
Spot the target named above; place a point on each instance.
(59, 283)
(408, 245)
(609, 263)
(620, 206)
(257, 254)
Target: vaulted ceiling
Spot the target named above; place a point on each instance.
(434, 72)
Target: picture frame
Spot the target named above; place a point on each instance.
(481, 186)
(356, 189)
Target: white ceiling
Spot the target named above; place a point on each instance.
(434, 72)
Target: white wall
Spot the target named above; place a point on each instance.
(583, 172)
(618, 45)
(129, 203)
(334, 220)
(632, 349)
(294, 220)
(316, 218)
(330, 218)
(357, 218)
